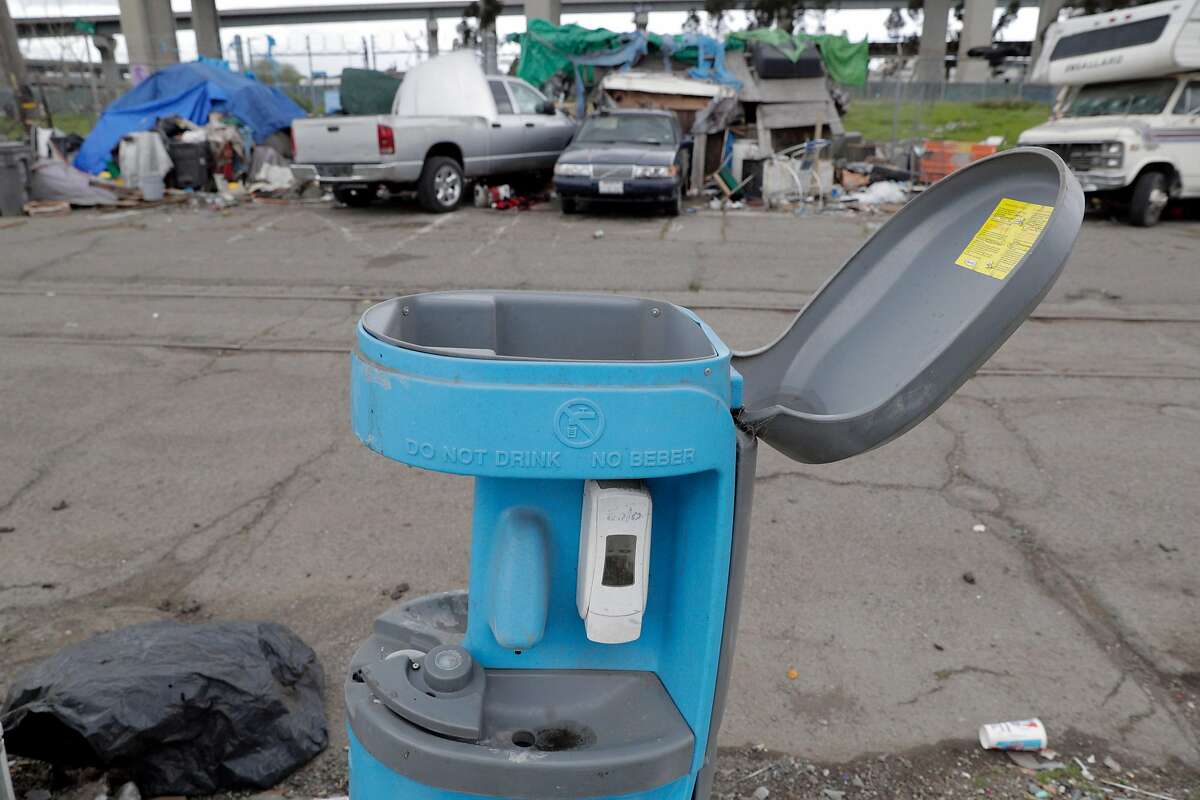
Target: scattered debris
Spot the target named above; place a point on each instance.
(128, 791)
(879, 193)
(969, 577)
(833, 794)
(1027, 760)
(979, 527)
(60, 505)
(47, 208)
(1024, 734)
(793, 673)
(185, 608)
(1136, 790)
(761, 793)
(1112, 764)
(397, 592)
(599, 234)
(7, 528)
(1084, 771)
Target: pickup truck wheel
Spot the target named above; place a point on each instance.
(1148, 200)
(356, 198)
(569, 205)
(441, 185)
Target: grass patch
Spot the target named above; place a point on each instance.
(963, 122)
(68, 123)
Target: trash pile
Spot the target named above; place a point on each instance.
(216, 164)
(189, 130)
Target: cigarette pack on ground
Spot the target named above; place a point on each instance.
(1024, 734)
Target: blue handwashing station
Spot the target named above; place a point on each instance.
(613, 442)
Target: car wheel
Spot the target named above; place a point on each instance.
(569, 205)
(356, 198)
(440, 188)
(1148, 200)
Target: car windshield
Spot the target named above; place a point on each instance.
(627, 128)
(1126, 97)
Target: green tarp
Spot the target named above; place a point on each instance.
(544, 49)
(365, 91)
(845, 61)
(543, 46)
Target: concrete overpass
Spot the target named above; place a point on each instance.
(109, 24)
(149, 26)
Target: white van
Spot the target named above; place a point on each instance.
(1128, 119)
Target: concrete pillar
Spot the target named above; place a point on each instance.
(110, 73)
(1047, 13)
(931, 57)
(12, 62)
(976, 32)
(207, 26)
(431, 35)
(149, 30)
(549, 10)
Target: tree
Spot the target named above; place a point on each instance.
(477, 17)
(783, 14)
(274, 73)
(716, 11)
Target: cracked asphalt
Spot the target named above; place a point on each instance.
(175, 441)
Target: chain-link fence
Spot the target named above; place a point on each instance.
(906, 118)
(955, 92)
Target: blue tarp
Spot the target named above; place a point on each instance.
(190, 91)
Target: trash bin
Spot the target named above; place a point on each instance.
(613, 441)
(16, 170)
(191, 165)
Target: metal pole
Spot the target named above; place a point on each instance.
(238, 53)
(366, 54)
(374, 55)
(312, 81)
(91, 72)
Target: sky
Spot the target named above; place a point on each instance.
(338, 45)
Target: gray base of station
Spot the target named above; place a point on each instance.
(544, 733)
(574, 723)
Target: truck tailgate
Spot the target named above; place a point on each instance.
(337, 140)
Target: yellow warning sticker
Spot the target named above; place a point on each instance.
(1005, 238)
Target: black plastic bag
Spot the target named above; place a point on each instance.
(185, 709)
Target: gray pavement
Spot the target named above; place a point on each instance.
(178, 378)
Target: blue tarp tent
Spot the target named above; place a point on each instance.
(190, 91)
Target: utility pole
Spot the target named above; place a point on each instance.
(238, 54)
(312, 78)
(12, 62)
(490, 61)
(431, 34)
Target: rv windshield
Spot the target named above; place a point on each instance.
(1125, 97)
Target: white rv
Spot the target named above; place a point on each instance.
(1128, 118)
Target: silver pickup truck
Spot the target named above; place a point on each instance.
(449, 123)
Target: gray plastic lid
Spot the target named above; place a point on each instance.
(913, 314)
